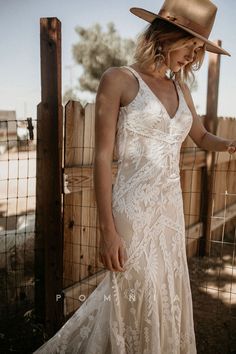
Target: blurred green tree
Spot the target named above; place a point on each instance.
(96, 51)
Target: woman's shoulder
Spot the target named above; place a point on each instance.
(115, 72)
(119, 76)
(119, 82)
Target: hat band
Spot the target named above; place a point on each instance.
(184, 22)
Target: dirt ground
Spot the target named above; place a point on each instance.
(213, 284)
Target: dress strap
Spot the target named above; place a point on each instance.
(180, 92)
(136, 74)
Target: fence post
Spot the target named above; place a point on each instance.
(211, 123)
(49, 236)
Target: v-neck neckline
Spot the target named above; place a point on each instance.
(158, 99)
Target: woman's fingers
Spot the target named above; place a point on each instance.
(113, 255)
(112, 263)
(119, 259)
(116, 263)
(122, 256)
(109, 265)
(232, 147)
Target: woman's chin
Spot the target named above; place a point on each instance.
(176, 69)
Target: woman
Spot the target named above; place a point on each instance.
(144, 305)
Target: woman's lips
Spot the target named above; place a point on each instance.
(180, 63)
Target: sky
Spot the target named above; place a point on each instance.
(20, 47)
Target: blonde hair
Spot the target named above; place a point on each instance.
(159, 34)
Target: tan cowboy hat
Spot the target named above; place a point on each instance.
(194, 16)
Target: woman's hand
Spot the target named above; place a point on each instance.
(112, 252)
(232, 147)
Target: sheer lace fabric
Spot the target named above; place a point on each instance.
(148, 308)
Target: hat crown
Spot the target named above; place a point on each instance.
(193, 16)
(198, 15)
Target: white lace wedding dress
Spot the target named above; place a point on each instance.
(148, 308)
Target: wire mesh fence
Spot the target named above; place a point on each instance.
(213, 276)
(17, 234)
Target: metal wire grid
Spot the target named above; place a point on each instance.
(17, 227)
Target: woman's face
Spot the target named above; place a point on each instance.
(180, 57)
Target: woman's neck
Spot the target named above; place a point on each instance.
(159, 73)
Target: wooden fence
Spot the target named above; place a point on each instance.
(82, 269)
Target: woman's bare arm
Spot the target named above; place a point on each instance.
(106, 114)
(200, 135)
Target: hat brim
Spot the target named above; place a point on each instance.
(150, 16)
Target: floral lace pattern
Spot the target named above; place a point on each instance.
(148, 308)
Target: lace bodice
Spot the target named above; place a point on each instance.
(147, 134)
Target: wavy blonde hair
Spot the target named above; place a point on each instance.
(161, 33)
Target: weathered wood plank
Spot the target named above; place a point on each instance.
(49, 236)
(88, 240)
(73, 156)
(211, 122)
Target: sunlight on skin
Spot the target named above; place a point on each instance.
(185, 54)
(179, 57)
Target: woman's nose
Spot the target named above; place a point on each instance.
(189, 56)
